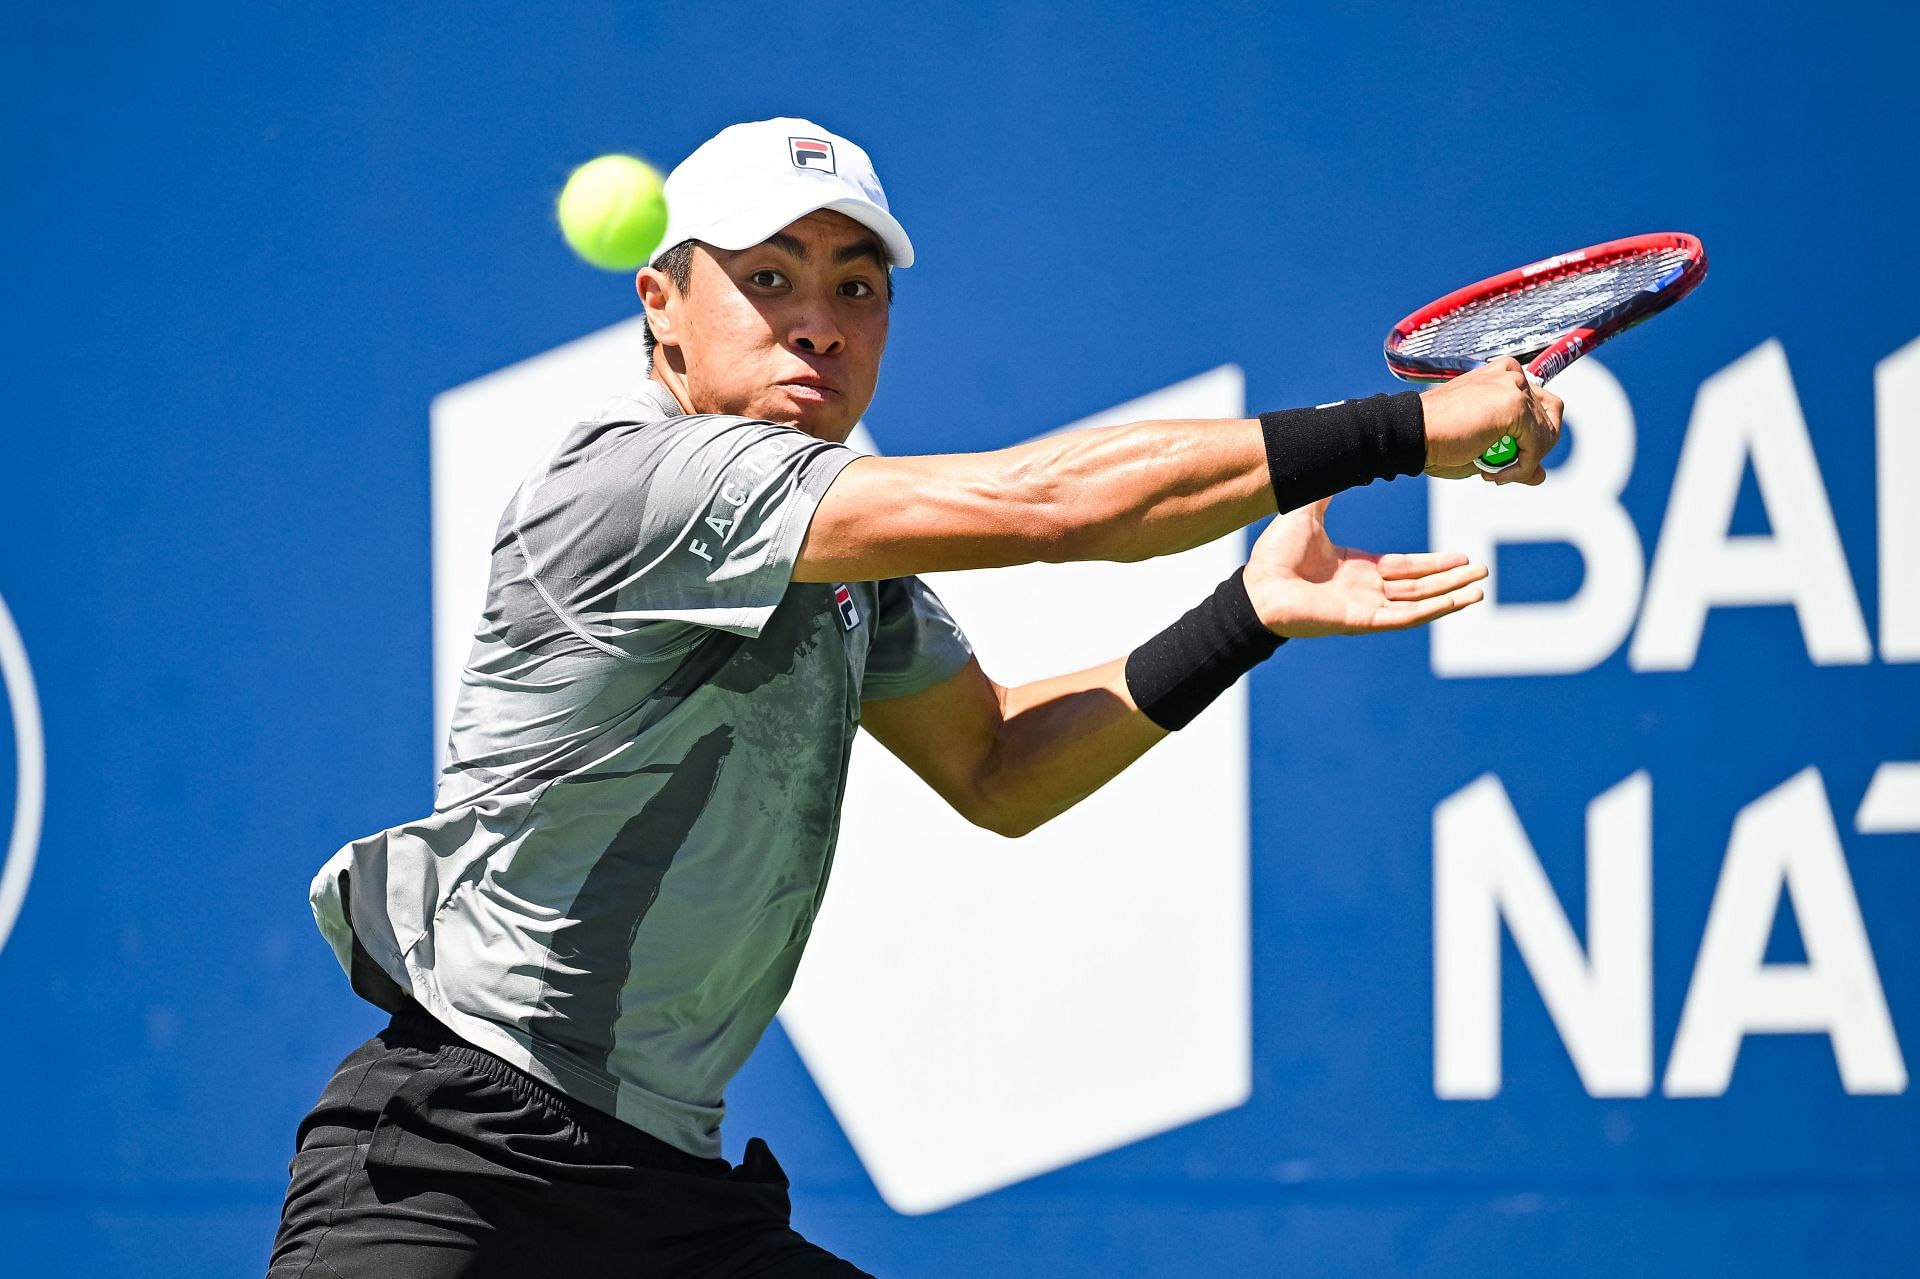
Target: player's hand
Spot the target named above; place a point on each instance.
(1302, 584)
(1467, 416)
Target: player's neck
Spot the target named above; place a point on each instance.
(676, 383)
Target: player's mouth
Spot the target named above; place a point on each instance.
(815, 390)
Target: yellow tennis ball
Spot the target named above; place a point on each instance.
(613, 212)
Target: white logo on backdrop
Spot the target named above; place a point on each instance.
(30, 775)
(976, 1011)
(1655, 601)
(1784, 845)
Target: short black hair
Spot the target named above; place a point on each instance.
(677, 262)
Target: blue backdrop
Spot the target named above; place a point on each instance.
(248, 245)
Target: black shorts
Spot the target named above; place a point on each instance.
(427, 1157)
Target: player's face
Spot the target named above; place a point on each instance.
(790, 330)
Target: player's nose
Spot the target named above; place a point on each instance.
(816, 333)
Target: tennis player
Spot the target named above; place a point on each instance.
(693, 604)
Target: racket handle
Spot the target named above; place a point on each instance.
(1500, 456)
(1507, 451)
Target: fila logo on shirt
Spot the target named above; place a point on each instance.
(843, 601)
(811, 153)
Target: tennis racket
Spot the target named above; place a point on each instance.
(1546, 314)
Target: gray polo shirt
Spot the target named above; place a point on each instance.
(633, 832)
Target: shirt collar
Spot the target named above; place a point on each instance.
(650, 394)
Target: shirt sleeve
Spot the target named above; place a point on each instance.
(916, 642)
(639, 533)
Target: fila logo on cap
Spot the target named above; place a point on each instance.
(811, 153)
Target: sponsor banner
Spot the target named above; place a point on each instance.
(1579, 933)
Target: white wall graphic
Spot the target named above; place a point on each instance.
(30, 773)
(977, 1011)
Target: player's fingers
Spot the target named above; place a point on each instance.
(1533, 434)
(1398, 565)
(1546, 411)
(1426, 588)
(1401, 616)
(1555, 406)
(1547, 406)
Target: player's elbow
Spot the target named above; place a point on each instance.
(993, 804)
(1003, 820)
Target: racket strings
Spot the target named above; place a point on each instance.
(1529, 317)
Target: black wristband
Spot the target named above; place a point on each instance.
(1315, 453)
(1177, 674)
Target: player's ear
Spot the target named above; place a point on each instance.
(656, 291)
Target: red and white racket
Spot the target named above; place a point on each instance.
(1546, 314)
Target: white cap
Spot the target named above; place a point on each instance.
(750, 180)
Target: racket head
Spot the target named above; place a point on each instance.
(1547, 314)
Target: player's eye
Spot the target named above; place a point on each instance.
(768, 278)
(857, 289)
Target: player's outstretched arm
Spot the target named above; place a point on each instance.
(1010, 759)
(1155, 488)
(1109, 493)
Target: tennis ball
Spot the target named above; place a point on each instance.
(613, 212)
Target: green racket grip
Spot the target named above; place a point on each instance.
(1507, 451)
(1500, 456)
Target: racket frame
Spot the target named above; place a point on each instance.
(1574, 343)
